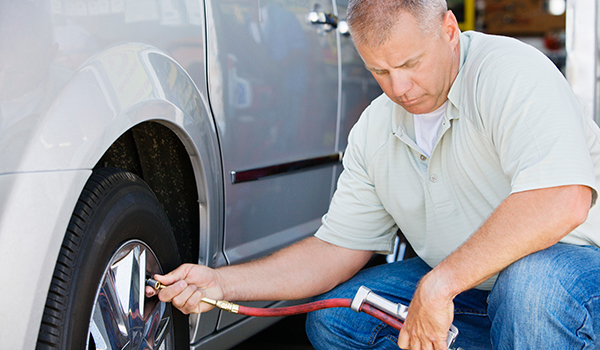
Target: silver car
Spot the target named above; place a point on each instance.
(139, 134)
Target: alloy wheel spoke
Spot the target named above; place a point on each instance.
(108, 325)
(157, 324)
(122, 317)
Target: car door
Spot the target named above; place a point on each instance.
(273, 87)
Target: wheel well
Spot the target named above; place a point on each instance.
(153, 152)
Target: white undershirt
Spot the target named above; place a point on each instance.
(426, 128)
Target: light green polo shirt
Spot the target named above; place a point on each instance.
(512, 124)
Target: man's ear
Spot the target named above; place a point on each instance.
(450, 27)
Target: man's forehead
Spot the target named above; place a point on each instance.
(376, 33)
(405, 31)
(391, 54)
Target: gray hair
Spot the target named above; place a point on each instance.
(371, 21)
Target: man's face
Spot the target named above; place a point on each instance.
(414, 69)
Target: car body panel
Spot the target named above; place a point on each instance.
(34, 212)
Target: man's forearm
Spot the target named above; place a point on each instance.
(305, 269)
(524, 223)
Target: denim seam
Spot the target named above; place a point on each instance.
(392, 338)
(375, 333)
(471, 312)
(585, 319)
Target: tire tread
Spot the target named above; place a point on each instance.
(101, 181)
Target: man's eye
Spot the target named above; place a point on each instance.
(410, 65)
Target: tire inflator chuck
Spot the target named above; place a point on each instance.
(364, 301)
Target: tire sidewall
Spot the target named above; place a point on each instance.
(127, 211)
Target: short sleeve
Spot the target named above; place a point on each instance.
(356, 218)
(534, 121)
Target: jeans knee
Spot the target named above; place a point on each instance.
(541, 299)
(526, 288)
(546, 280)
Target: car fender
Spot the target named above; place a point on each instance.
(52, 155)
(113, 91)
(34, 212)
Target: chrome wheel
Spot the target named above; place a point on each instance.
(122, 317)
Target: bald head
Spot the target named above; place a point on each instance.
(371, 21)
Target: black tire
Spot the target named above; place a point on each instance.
(117, 221)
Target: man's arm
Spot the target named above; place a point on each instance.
(524, 223)
(305, 269)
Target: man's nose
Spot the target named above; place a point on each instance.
(401, 83)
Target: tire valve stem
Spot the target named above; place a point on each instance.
(221, 304)
(154, 284)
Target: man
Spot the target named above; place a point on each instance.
(480, 154)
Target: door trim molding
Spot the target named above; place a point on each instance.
(284, 168)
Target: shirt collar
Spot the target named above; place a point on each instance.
(455, 93)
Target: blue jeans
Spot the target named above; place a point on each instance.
(547, 300)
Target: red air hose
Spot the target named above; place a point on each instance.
(362, 302)
(293, 310)
(319, 305)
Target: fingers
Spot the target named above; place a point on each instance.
(185, 287)
(420, 342)
(418, 335)
(150, 292)
(403, 339)
(171, 291)
(190, 300)
(186, 297)
(178, 274)
(180, 301)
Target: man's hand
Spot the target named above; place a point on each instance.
(430, 315)
(186, 286)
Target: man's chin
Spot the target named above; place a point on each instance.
(417, 108)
